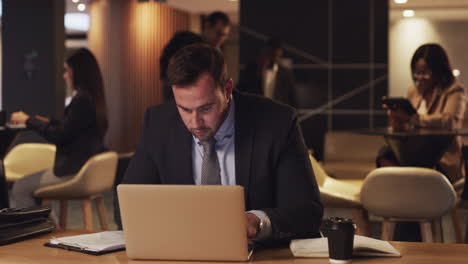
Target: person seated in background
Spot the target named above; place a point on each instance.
(212, 135)
(179, 40)
(78, 136)
(440, 102)
(268, 77)
(216, 28)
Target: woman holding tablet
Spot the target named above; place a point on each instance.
(440, 102)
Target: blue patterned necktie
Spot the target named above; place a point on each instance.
(210, 173)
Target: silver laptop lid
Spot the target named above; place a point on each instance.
(184, 222)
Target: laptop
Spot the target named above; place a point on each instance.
(184, 222)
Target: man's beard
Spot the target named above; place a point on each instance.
(205, 133)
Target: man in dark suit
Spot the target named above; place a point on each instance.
(216, 28)
(257, 144)
(268, 77)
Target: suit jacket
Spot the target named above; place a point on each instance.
(271, 162)
(76, 135)
(284, 91)
(446, 110)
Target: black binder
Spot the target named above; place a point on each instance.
(93, 244)
(82, 250)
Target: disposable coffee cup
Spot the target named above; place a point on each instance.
(340, 239)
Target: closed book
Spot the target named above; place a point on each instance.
(363, 246)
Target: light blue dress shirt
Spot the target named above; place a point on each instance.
(225, 150)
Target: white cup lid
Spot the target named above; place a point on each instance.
(340, 261)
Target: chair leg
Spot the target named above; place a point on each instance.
(63, 214)
(388, 229)
(46, 202)
(437, 230)
(361, 218)
(457, 226)
(102, 212)
(426, 231)
(87, 214)
(466, 233)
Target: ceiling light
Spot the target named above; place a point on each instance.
(408, 13)
(232, 0)
(77, 21)
(456, 72)
(81, 7)
(75, 1)
(400, 1)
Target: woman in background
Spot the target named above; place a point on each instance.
(440, 102)
(78, 136)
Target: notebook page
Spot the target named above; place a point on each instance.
(366, 246)
(108, 240)
(314, 247)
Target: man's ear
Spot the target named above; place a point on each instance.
(206, 25)
(228, 89)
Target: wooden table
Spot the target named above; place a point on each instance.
(33, 251)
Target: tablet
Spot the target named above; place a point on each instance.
(395, 103)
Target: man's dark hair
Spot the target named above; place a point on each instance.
(179, 40)
(216, 17)
(437, 60)
(186, 66)
(274, 43)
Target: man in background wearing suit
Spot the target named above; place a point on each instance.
(269, 77)
(211, 134)
(216, 28)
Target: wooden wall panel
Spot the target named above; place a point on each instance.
(128, 37)
(104, 40)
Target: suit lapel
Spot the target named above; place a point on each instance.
(181, 153)
(243, 143)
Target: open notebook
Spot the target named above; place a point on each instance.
(363, 246)
(95, 244)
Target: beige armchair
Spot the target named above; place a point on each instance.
(408, 194)
(341, 194)
(28, 158)
(461, 204)
(340, 159)
(95, 177)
